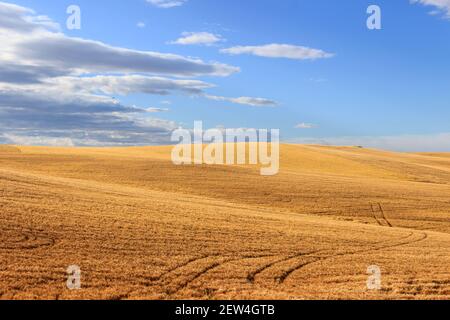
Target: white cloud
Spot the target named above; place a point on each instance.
(304, 125)
(156, 110)
(280, 51)
(87, 56)
(128, 84)
(25, 73)
(404, 143)
(58, 90)
(167, 4)
(198, 38)
(38, 141)
(141, 24)
(31, 40)
(40, 114)
(441, 6)
(249, 101)
(22, 19)
(51, 98)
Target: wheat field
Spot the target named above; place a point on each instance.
(140, 227)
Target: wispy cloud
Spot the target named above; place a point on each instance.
(156, 110)
(249, 101)
(304, 125)
(198, 38)
(141, 24)
(167, 4)
(442, 6)
(280, 51)
(23, 19)
(129, 84)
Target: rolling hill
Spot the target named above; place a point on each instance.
(140, 227)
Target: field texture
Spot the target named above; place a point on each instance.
(141, 228)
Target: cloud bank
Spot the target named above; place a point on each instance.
(56, 89)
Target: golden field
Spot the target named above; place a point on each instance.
(141, 228)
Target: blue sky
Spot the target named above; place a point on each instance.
(385, 88)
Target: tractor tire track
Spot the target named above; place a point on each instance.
(284, 275)
(25, 239)
(282, 278)
(382, 220)
(251, 276)
(209, 268)
(384, 215)
(375, 215)
(180, 266)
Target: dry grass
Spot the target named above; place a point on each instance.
(142, 228)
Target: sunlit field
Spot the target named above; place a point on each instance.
(140, 227)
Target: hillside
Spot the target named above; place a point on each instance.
(140, 227)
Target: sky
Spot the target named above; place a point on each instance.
(136, 70)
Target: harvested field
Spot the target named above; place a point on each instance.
(141, 228)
